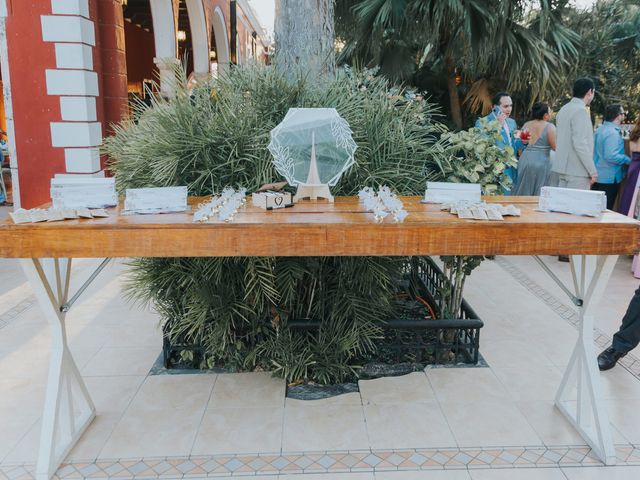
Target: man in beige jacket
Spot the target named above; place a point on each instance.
(573, 166)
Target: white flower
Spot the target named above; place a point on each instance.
(383, 203)
(225, 205)
(400, 215)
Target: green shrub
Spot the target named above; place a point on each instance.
(474, 157)
(238, 308)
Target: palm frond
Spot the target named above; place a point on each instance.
(238, 309)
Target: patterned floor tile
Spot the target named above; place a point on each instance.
(629, 362)
(330, 462)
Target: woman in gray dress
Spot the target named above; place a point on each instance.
(534, 164)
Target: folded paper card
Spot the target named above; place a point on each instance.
(570, 200)
(155, 200)
(36, 215)
(481, 211)
(75, 192)
(446, 192)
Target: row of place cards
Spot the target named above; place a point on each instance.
(552, 199)
(36, 215)
(79, 192)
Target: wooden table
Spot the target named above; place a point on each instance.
(318, 229)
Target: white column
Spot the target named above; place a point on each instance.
(165, 29)
(167, 73)
(199, 38)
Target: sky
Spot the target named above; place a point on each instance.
(265, 10)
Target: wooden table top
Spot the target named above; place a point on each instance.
(321, 229)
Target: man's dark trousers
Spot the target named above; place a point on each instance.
(611, 191)
(628, 337)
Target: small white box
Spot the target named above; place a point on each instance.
(271, 200)
(570, 200)
(448, 192)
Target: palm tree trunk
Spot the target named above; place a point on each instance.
(304, 35)
(454, 98)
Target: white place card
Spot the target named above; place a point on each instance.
(570, 200)
(481, 211)
(155, 200)
(36, 215)
(76, 192)
(449, 192)
(84, 213)
(20, 216)
(99, 213)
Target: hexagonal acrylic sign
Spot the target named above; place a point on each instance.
(312, 148)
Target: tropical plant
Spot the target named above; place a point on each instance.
(455, 269)
(239, 309)
(610, 53)
(471, 44)
(474, 157)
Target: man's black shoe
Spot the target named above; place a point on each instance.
(608, 358)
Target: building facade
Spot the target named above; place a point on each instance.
(70, 67)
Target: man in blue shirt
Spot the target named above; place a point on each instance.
(609, 154)
(502, 108)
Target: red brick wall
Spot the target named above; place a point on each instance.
(33, 109)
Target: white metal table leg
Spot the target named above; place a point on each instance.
(68, 409)
(580, 396)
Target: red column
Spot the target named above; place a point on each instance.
(29, 57)
(33, 109)
(111, 62)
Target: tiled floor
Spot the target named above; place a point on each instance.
(474, 424)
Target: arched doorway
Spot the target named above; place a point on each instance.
(192, 32)
(219, 41)
(184, 37)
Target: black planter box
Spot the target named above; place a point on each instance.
(431, 341)
(413, 339)
(410, 338)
